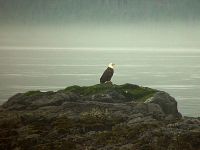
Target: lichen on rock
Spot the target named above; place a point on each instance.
(102, 116)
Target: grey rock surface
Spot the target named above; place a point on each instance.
(97, 117)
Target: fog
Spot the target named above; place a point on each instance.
(82, 35)
(100, 23)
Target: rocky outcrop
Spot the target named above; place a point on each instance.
(167, 103)
(96, 117)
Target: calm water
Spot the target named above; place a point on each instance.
(174, 71)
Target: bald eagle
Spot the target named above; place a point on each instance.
(108, 73)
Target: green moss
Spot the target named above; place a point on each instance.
(74, 88)
(137, 93)
(99, 88)
(88, 90)
(31, 93)
(130, 91)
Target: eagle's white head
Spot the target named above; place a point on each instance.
(111, 65)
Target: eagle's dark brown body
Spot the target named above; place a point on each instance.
(107, 75)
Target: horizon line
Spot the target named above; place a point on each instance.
(145, 48)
